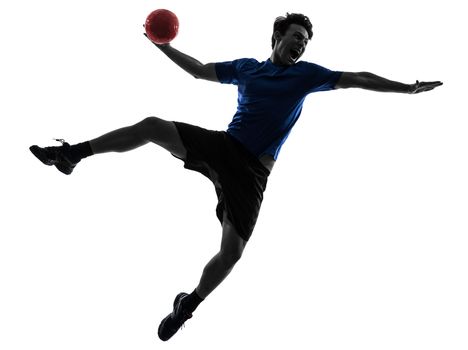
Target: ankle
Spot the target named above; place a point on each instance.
(192, 301)
(80, 151)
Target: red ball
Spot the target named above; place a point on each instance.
(161, 26)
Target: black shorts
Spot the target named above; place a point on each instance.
(238, 176)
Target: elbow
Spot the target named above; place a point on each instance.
(365, 75)
(360, 79)
(197, 72)
(349, 80)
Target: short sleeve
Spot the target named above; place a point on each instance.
(229, 72)
(320, 78)
(225, 72)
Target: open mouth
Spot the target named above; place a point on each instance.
(294, 53)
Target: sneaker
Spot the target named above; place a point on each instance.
(59, 156)
(175, 320)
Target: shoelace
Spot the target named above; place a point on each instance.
(188, 316)
(183, 324)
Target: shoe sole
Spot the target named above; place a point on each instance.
(37, 151)
(39, 154)
(64, 169)
(160, 330)
(176, 300)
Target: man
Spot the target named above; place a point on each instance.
(238, 161)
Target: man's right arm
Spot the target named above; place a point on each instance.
(190, 64)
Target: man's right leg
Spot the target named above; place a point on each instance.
(152, 129)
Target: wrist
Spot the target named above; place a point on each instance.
(410, 88)
(163, 47)
(413, 87)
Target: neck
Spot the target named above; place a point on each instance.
(274, 59)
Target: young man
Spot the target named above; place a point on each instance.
(238, 161)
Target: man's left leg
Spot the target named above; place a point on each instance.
(217, 269)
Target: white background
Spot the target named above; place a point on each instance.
(362, 239)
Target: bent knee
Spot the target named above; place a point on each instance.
(163, 133)
(154, 128)
(152, 122)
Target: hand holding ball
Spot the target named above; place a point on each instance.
(161, 26)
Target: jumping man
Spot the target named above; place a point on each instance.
(238, 161)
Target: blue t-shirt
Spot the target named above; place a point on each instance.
(270, 99)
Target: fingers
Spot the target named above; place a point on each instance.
(160, 46)
(426, 86)
(149, 38)
(146, 34)
(432, 83)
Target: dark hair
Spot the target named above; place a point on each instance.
(282, 24)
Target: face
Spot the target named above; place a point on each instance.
(290, 46)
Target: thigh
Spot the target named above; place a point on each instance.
(164, 133)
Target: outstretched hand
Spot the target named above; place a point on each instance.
(422, 86)
(157, 45)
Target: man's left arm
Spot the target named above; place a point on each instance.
(369, 81)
